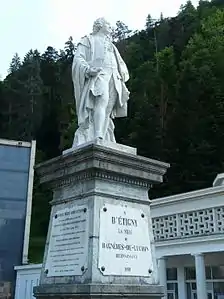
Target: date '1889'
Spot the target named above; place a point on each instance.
(127, 269)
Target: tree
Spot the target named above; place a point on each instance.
(15, 63)
(49, 131)
(23, 88)
(200, 106)
(33, 91)
(121, 32)
(149, 22)
(70, 49)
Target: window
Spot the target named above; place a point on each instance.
(218, 272)
(219, 289)
(172, 286)
(191, 290)
(172, 290)
(190, 273)
(208, 272)
(171, 273)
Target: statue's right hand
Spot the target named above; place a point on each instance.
(93, 71)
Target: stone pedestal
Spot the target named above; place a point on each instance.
(100, 240)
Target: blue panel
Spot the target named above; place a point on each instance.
(14, 158)
(12, 204)
(13, 184)
(11, 249)
(11, 234)
(14, 169)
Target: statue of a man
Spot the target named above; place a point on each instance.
(99, 75)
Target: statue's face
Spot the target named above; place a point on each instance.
(106, 29)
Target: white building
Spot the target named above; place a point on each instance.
(188, 230)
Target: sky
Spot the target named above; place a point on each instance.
(36, 24)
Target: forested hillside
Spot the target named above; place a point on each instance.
(176, 107)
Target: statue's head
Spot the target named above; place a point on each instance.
(101, 25)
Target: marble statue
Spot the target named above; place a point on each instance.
(99, 75)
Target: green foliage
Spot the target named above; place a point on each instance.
(176, 108)
(68, 134)
(201, 94)
(15, 63)
(121, 32)
(40, 215)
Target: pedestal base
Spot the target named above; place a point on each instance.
(99, 291)
(110, 145)
(100, 241)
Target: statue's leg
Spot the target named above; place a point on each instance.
(101, 103)
(113, 95)
(109, 126)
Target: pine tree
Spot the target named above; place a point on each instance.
(15, 64)
(70, 49)
(149, 22)
(121, 31)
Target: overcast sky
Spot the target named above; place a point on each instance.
(36, 24)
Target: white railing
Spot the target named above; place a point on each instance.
(188, 224)
(192, 214)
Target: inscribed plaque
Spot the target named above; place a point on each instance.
(68, 246)
(124, 243)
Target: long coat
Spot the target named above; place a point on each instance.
(85, 88)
